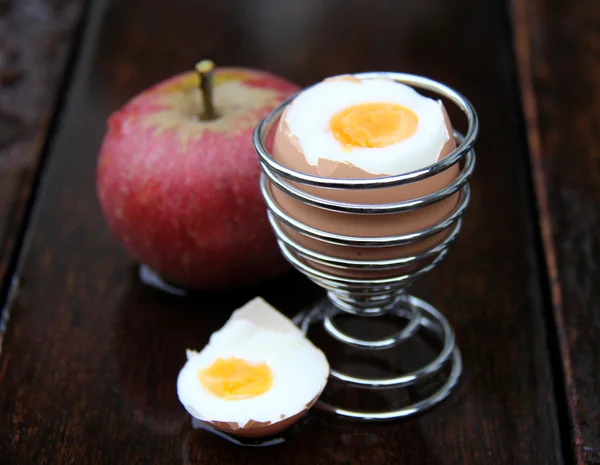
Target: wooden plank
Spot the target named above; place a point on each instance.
(559, 65)
(36, 37)
(91, 355)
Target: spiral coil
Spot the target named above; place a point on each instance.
(375, 296)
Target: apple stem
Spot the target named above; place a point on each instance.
(205, 70)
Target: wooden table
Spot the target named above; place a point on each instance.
(89, 356)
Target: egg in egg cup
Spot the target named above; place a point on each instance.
(366, 186)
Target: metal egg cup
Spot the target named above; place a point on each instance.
(378, 296)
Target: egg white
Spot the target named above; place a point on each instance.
(299, 369)
(308, 121)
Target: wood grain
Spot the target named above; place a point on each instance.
(36, 37)
(557, 45)
(91, 355)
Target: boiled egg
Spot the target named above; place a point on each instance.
(350, 127)
(379, 126)
(257, 375)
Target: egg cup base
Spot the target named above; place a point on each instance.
(435, 379)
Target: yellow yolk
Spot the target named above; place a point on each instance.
(236, 378)
(373, 125)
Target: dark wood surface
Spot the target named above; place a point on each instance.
(559, 57)
(36, 37)
(90, 358)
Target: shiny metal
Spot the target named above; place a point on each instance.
(372, 297)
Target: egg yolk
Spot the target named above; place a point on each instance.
(373, 125)
(236, 378)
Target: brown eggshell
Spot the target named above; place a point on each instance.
(287, 151)
(257, 429)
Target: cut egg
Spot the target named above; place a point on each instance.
(378, 126)
(257, 375)
(352, 128)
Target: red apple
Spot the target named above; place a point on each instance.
(179, 186)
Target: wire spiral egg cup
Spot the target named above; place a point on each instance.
(375, 296)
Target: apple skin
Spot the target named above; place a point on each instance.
(182, 195)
